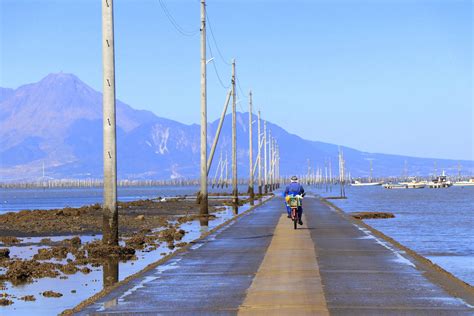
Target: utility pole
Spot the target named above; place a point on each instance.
(309, 171)
(371, 171)
(274, 163)
(259, 156)
(203, 199)
(265, 181)
(226, 171)
(270, 163)
(251, 191)
(277, 167)
(269, 143)
(235, 192)
(110, 212)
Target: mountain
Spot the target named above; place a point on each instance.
(58, 122)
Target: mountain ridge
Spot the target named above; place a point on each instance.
(58, 121)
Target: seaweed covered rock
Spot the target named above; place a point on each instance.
(51, 294)
(4, 253)
(97, 249)
(21, 271)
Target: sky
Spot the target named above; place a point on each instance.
(379, 76)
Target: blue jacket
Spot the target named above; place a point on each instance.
(294, 188)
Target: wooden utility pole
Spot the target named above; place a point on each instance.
(259, 156)
(251, 185)
(203, 199)
(265, 174)
(110, 212)
(235, 192)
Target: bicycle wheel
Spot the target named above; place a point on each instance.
(295, 221)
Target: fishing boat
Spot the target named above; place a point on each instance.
(469, 183)
(414, 184)
(364, 184)
(394, 186)
(440, 182)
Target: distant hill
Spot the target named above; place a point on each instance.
(58, 122)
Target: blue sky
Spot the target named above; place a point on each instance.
(380, 76)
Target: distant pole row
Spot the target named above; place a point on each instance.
(268, 180)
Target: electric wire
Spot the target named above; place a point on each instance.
(215, 41)
(173, 21)
(240, 88)
(215, 69)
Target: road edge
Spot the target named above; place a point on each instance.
(433, 272)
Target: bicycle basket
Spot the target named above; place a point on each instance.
(293, 202)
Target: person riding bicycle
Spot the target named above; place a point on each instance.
(294, 188)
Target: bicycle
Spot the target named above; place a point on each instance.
(294, 202)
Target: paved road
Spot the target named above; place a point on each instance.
(244, 269)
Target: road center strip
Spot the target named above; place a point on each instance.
(288, 280)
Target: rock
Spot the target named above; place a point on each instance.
(51, 294)
(75, 241)
(5, 302)
(99, 250)
(140, 217)
(371, 215)
(69, 268)
(9, 240)
(4, 253)
(86, 270)
(28, 298)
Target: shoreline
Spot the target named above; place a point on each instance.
(152, 231)
(434, 272)
(91, 300)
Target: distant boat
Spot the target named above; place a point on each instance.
(414, 184)
(440, 182)
(394, 186)
(364, 184)
(469, 183)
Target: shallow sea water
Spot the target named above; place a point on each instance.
(436, 223)
(79, 286)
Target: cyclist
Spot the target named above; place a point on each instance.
(294, 188)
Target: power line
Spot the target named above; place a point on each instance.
(174, 22)
(216, 71)
(239, 103)
(215, 41)
(240, 88)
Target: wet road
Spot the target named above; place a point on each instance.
(345, 271)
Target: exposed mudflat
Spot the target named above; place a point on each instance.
(39, 246)
(371, 215)
(133, 216)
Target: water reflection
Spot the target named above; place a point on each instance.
(204, 228)
(204, 221)
(110, 269)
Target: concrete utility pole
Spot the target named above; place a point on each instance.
(274, 165)
(269, 177)
(235, 192)
(309, 172)
(259, 156)
(265, 178)
(203, 199)
(251, 191)
(110, 212)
